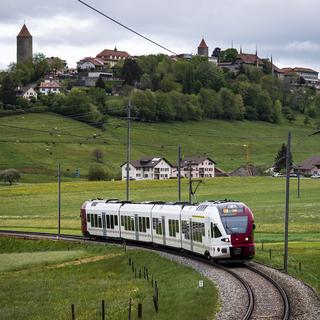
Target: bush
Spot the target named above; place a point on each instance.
(96, 174)
(10, 175)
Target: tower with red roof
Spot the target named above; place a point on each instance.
(203, 49)
(24, 45)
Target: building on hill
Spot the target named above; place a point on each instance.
(310, 166)
(111, 57)
(90, 63)
(201, 167)
(50, 86)
(151, 168)
(27, 93)
(24, 45)
(203, 49)
(307, 76)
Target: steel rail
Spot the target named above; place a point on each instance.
(284, 296)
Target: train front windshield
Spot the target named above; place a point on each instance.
(235, 224)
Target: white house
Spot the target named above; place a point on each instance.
(49, 86)
(310, 166)
(90, 63)
(27, 93)
(201, 167)
(147, 169)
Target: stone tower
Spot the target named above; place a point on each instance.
(24, 45)
(203, 49)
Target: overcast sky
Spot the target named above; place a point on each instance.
(286, 29)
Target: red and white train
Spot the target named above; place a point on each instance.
(216, 229)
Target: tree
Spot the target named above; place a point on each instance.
(98, 155)
(10, 175)
(280, 159)
(100, 83)
(7, 89)
(96, 174)
(228, 55)
(130, 72)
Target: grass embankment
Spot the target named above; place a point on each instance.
(38, 280)
(36, 143)
(34, 207)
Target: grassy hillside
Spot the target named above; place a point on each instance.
(35, 143)
(34, 207)
(31, 274)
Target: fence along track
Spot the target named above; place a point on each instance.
(250, 307)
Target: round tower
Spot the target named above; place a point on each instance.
(24, 45)
(203, 49)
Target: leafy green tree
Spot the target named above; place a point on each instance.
(239, 106)
(131, 72)
(144, 104)
(145, 82)
(164, 109)
(100, 83)
(96, 173)
(10, 175)
(7, 89)
(229, 109)
(97, 96)
(229, 55)
(210, 75)
(210, 103)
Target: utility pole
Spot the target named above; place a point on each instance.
(286, 219)
(128, 151)
(190, 181)
(59, 199)
(179, 173)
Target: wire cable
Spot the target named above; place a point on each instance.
(124, 26)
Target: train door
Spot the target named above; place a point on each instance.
(136, 224)
(104, 229)
(164, 229)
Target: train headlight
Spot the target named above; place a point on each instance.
(225, 239)
(247, 239)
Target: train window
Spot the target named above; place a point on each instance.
(148, 223)
(154, 223)
(100, 222)
(122, 221)
(111, 222)
(140, 224)
(173, 227)
(185, 229)
(197, 231)
(126, 226)
(88, 217)
(129, 223)
(115, 220)
(158, 225)
(215, 232)
(144, 224)
(132, 224)
(95, 221)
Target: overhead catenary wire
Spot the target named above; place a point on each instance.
(126, 27)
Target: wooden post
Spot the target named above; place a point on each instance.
(270, 253)
(73, 314)
(299, 266)
(140, 273)
(135, 273)
(152, 280)
(129, 310)
(262, 245)
(103, 311)
(139, 310)
(155, 303)
(129, 261)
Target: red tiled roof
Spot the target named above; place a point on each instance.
(106, 53)
(24, 32)
(203, 44)
(249, 58)
(309, 163)
(95, 61)
(300, 69)
(49, 85)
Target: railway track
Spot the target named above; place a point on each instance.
(265, 297)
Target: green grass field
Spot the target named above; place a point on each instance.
(36, 143)
(38, 280)
(34, 207)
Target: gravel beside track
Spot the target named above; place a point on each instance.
(233, 298)
(304, 302)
